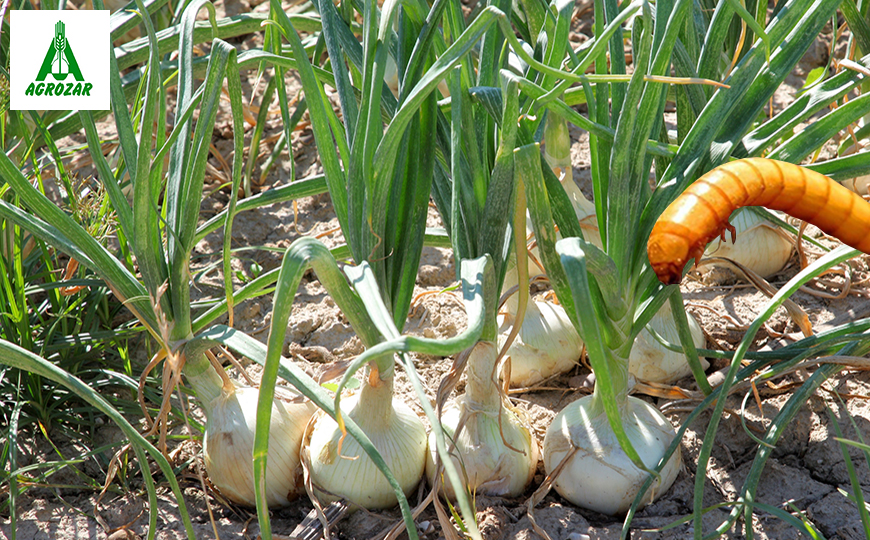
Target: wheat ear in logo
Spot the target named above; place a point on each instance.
(59, 59)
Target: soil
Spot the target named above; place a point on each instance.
(806, 471)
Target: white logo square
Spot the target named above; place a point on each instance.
(59, 60)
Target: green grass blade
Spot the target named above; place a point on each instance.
(710, 63)
(119, 278)
(679, 313)
(774, 432)
(804, 526)
(501, 192)
(625, 192)
(184, 207)
(460, 199)
(605, 37)
(12, 446)
(857, 24)
(335, 176)
(594, 128)
(123, 123)
(406, 228)
(857, 491)
(137, 51)
(392, 137)
(528, 168)
(234, 86)
(107, 177)
(332, 26)
(752, 23)
(257, 135)
(22, 359)
(830, 259)
(844, 168)
(146, 240)
(424, 44)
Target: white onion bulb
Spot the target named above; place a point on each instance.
(546, 344)
(480, 453)
(859, 184)
(396, 432)
(651, 361)
(600, 476)
(229, 444)
(760, 245)
(391, 76)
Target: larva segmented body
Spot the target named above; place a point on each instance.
(701, 213)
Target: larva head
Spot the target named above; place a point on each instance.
(668, 253)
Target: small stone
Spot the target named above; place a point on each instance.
(123, 534)
(578, 536)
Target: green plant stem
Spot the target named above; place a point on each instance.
(618, 366)
(204, 380)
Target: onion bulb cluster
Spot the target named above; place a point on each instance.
(600, 476)
(494, 450)
(340, 468)
(229, 443)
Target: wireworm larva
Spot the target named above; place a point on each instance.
(701, 213)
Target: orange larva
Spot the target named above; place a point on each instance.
(701, 213)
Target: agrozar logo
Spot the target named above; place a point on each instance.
(70, 50)
(60, 61)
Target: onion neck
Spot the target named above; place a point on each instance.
(204, 380)
(618, 367)
(481, 389)
(616, 355)
(374, 410)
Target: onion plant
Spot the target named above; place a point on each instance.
(484, 207)
(492, 139)
(611, 294)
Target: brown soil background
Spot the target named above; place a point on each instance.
(806, 469)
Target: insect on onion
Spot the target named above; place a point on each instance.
(701, 213)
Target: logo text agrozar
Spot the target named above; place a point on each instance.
(60, 62)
